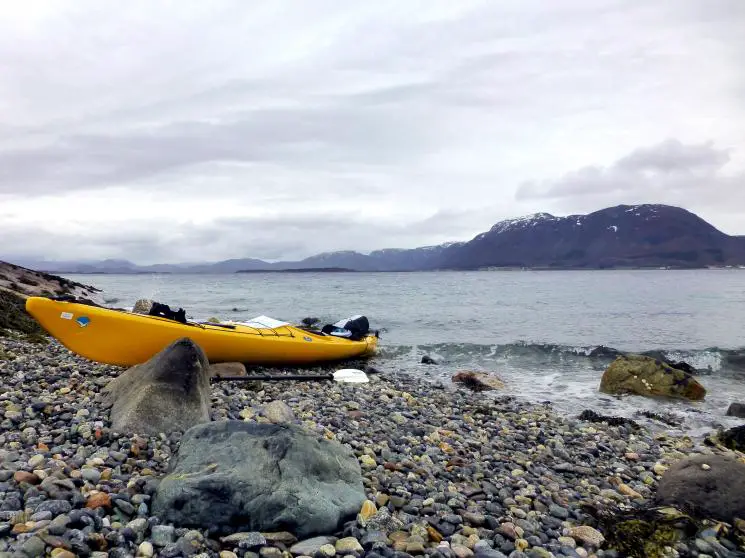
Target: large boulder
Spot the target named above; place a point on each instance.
(247, 476)
(702, 486)
(642, 375)
(168, 393)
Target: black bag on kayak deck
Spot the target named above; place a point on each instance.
(354, 328)
(164, 311)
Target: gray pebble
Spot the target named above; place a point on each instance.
(558, 511)
(162, 535)
(33, 547)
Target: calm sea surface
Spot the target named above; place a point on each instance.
(535, 329)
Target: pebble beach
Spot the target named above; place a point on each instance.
(448, 472)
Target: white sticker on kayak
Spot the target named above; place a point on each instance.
(66, 315)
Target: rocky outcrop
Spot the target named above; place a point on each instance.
(736, 410)
(17, 283)
(168, 393)
(248, 476)
(702, 485)
(28, 282)
(642, 375)
(478, 381)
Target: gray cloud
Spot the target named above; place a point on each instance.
(669, 168)
(691, 175)
(235, 130)
(270, 237)
(308, 136)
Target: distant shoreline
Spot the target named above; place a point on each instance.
(462, 270)
(301, 270)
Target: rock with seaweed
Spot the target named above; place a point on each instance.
(13, 317)
(648, 530)
(591, 416)
(478, 381)
(734, 438)
(643, 375)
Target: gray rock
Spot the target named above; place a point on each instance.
(142, 306)
(309, 547)
(702, 485)
(59, 524)
(168, 393)
(736, 410)
(260, 477)
(558, 511)
(278, 412)
(162, 535)
(222, 369)
(33, 547)
(55, 507)
(91, 475)
(387, 523)
(125, 506)
(250, 539)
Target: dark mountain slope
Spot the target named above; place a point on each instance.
(392, 259)
(621, 236)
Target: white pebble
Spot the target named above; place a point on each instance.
(145, 550)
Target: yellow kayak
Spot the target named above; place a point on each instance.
(124, 339)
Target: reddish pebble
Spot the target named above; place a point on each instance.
(98, 500)
(25, 476)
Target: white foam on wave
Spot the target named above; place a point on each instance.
(572, 386)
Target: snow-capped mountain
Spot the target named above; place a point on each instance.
(620, 236)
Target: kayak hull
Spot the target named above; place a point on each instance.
(125, 339)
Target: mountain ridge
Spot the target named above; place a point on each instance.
(621, 236)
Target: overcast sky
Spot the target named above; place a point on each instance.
(183, 131)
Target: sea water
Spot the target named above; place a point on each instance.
(548, 334)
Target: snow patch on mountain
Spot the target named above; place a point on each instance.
(523, 222)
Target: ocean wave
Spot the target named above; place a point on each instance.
(705, 361)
